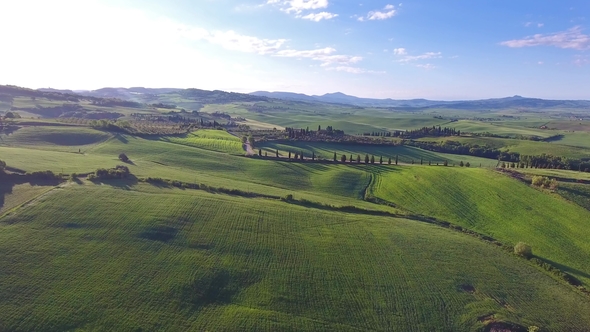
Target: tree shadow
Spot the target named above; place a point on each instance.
(565, 268)
(121, 138)
(7, 184)
(124, 184)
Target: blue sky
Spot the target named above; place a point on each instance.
(382, 49)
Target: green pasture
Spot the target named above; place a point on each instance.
(120, 257)
(405, 153)
(496, 205)
(54, 138)
(215, 140)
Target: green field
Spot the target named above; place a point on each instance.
(187, 260)
(215, 140)
(495, 205)
(523, 147)
(271, 244)
(64, 139)
(405, 153)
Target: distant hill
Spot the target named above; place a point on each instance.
(497, 103)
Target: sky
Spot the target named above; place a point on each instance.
(445, 50)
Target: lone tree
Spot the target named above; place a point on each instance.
(524, 250)
(123, 157)
(343, 158)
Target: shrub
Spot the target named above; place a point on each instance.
(544, 182)
(123, 157)
(523, 249)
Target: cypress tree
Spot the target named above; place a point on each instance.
(358, 158)
(372, 159)
(389, 161)
(366, 158)
(289, 154)
(277, 153)
(396, 157)
(312, 155)
(334, 156)
(381, 160)
(260, 152)
(350, 160)
(343, 158)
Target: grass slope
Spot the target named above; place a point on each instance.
(65, 139)
(406, 153)
(116, 259)
(496, 205)
(215, 140)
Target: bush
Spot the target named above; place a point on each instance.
(524, 250)
(123, 157)
(544, 182)
(2, 165)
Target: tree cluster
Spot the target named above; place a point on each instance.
(544, 182)
(417, 133)
(119, 172)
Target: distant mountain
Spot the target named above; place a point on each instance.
(497, 103)
(341, 98)
(56, 90)
(126, 93)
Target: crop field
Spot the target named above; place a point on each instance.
(405, 153)
(13, 195)
(576, 192)
(64, 139)
(215, 140)
(496, 205)
(131, 259)
(577, 139)
(524, 147)
(504, 129)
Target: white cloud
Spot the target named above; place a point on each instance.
(427, 55)
(236, 42)
(427, 66)
(316, 17)
(298, 6)
(405, 58)
(540, 25)
(570, 39)
(400, 51)
(388, 11)
(355, 70)
(324, 55)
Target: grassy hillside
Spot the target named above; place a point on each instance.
(66, 139)
(215, 140)
(496, 205)
(406, 153)
(524, 147)
(158, 259)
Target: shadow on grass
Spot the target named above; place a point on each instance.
(7, 184)
(125, 184)
(565, 268)
(121, 138)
